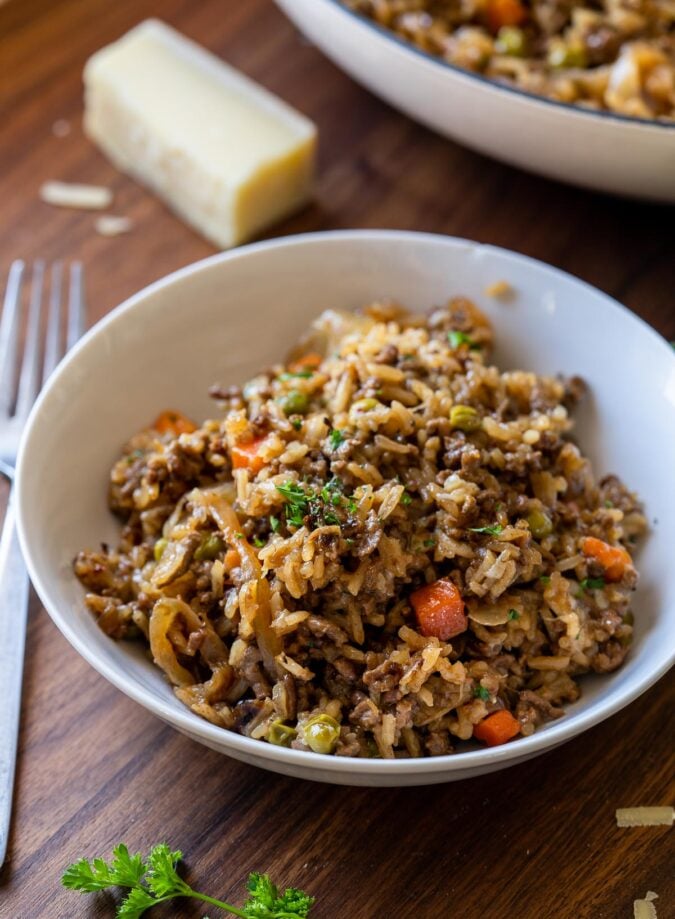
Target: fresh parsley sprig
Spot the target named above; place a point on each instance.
(155, 880)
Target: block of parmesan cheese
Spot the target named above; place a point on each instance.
(225, 154)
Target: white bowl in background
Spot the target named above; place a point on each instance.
(222, 319)
(595, 149)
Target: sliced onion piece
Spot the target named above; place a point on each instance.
(500, 612)
(164, 615)
(489, 615)
(222, 512)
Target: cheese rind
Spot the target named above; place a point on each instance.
(224, 153)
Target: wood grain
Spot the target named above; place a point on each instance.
(537, 841)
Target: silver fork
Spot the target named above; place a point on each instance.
(15, 404)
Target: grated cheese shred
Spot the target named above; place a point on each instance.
(645, 909)
(112, 225)
(70, 194)
(644, 816)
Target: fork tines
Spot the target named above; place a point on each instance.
(20, 378)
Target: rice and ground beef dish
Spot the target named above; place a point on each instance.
(384, 547)
(617, 55)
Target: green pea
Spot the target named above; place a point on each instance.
(280, 734)
(511, 40)
(561, 55)
(295, 402)
(465, 418)
(321, 733)
(540, 524)
(210, 547)
(365, 405)
(160, 546)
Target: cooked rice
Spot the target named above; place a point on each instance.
(617, 55)
(276, 598)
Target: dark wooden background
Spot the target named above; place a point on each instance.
(536, 841)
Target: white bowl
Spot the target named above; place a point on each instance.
(224, 318)
(600, 150)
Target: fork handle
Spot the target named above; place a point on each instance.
(13, 616)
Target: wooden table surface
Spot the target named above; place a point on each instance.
(535, 841)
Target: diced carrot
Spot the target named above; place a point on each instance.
(497, 728)
(440, 610)
(176, 423)
(306, 362)
(504, 13)
(232, 559)
(246, 455)
(614, 559)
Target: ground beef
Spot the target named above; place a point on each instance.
(532, 709)
(383, 677)
(609, 658)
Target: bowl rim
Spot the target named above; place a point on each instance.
(223, 740)
(633, 122)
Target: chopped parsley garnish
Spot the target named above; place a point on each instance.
(336, 438)
(297, 502)
(592, 583)
(457, 338)
(297, 423)
(239, 535)
(275, 524)
(609, 504)
(480, 692)
(545, 579)
(513, 614)
(300, 375)
(494, 530)
(428, 543)
(331, 493)
(406, 499)
(303, 500)
(258, 542)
